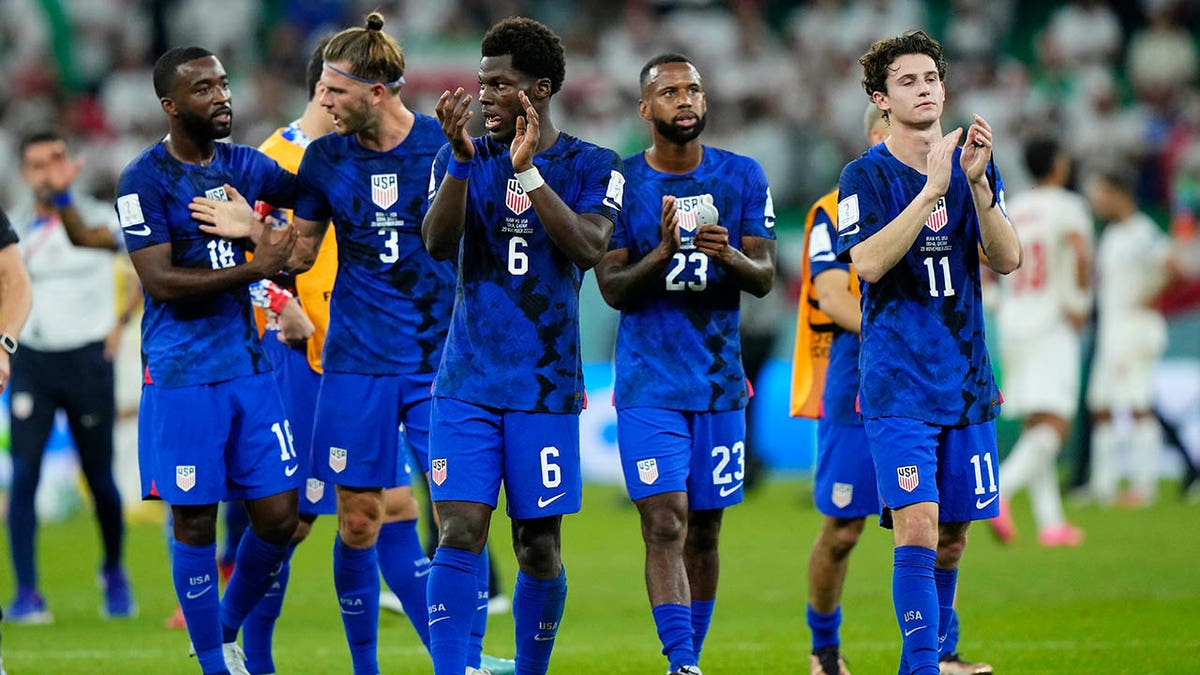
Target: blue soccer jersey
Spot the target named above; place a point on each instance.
(210, 338)
(841, 375)
(679, 347)
(514, 337)
(923, 353)
(391, 302)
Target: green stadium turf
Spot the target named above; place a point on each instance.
(1127, 601)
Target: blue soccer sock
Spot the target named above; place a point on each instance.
(453, 584)
(257, 564)
(946, 581)
(914, 595)
(950, 646)
(194, 569)
(356, 579)
(537, 613)
(702, 611)
(674, 624)
(479, 621)
(824, 627)
(258, 630)
(405, 568)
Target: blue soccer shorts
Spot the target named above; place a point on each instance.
(956, 467)
(356, 436)
(473, 448)
(700, 453)
(209, 443)
(844, 486)
(298, 384)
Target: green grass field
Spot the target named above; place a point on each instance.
(1127, 601)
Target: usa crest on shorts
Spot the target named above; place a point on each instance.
(185, 477)
(908, 478)
(648, 470)
(337, 459)
(314, 490)
(438, 471)
(843, 494)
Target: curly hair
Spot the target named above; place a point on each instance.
(372, 54)
(534, 48)
(879, 58)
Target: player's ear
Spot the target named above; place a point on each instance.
(643, 109)
(542, 87)
(168, 105)
(881, 100)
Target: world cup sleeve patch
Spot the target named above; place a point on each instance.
(847, 212)
(129, 209)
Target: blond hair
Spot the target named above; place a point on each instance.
(372, 55)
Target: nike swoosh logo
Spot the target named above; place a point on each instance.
(145, 230)
(422, 573)
(980, 504)
(543, 502)
(543, 638)
(725, 492)
(291, 470)
(440, 618)
(850, 232)
(611, 204)
(483, 606)
(361, 611)
(913, 630)
(193, 596)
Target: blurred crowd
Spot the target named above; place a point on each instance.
(1118, 81)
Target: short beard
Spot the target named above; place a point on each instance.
(201, 127)
(679, 135)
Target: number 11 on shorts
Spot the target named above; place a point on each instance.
(991, 474)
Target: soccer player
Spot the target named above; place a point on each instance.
(696, 230)
(388, 318)
(1131, 334)
(1042, 307)
(15, 302)
(526, 209)
(211, 426)
(69, 343)
(825, 386)
(913, 214)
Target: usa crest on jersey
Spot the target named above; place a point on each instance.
(185, 477)
(217, 193)
(908, 478)
(384, 189)
(438, 471)
(648, 470)
(337, 459)
(940, 216)
(515, 198)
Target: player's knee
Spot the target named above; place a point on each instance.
(537, 547)
(303, 529)
(462, 531)
(195, 526)
(952, 542)
(704, 532)
(359, 528)
(400, 505)
(664, 527)
(841, 536)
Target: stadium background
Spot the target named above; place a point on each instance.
(1117, 81)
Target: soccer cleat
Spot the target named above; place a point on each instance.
(686, 670)
(1063, 535)
(478, 671)
(827, 661)
(235, 659)
(388, 601)
(177, 621)
(118, 599)
(496, 665)
(29, 607)
(225, 571)
(1002, 525)
(953, 664)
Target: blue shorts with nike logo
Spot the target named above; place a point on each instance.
(472, 448)
(298, 385)
(956, 467)
(700, 453)
(207, 443)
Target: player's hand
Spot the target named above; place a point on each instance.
(294, 325)
(112, 342)
(977, 151)
(274, 248)
(940, 161)
(233, 219)
(713, 241)
(525, 141)
(669, 226)
(453, 111)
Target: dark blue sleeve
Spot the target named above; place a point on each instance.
(311, 203)
(860, 210)
(278, 184)
(603, 184)
(140, 209)
(758, 212)
(821, 256)
(437, 172)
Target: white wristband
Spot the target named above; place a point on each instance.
(530, 179)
